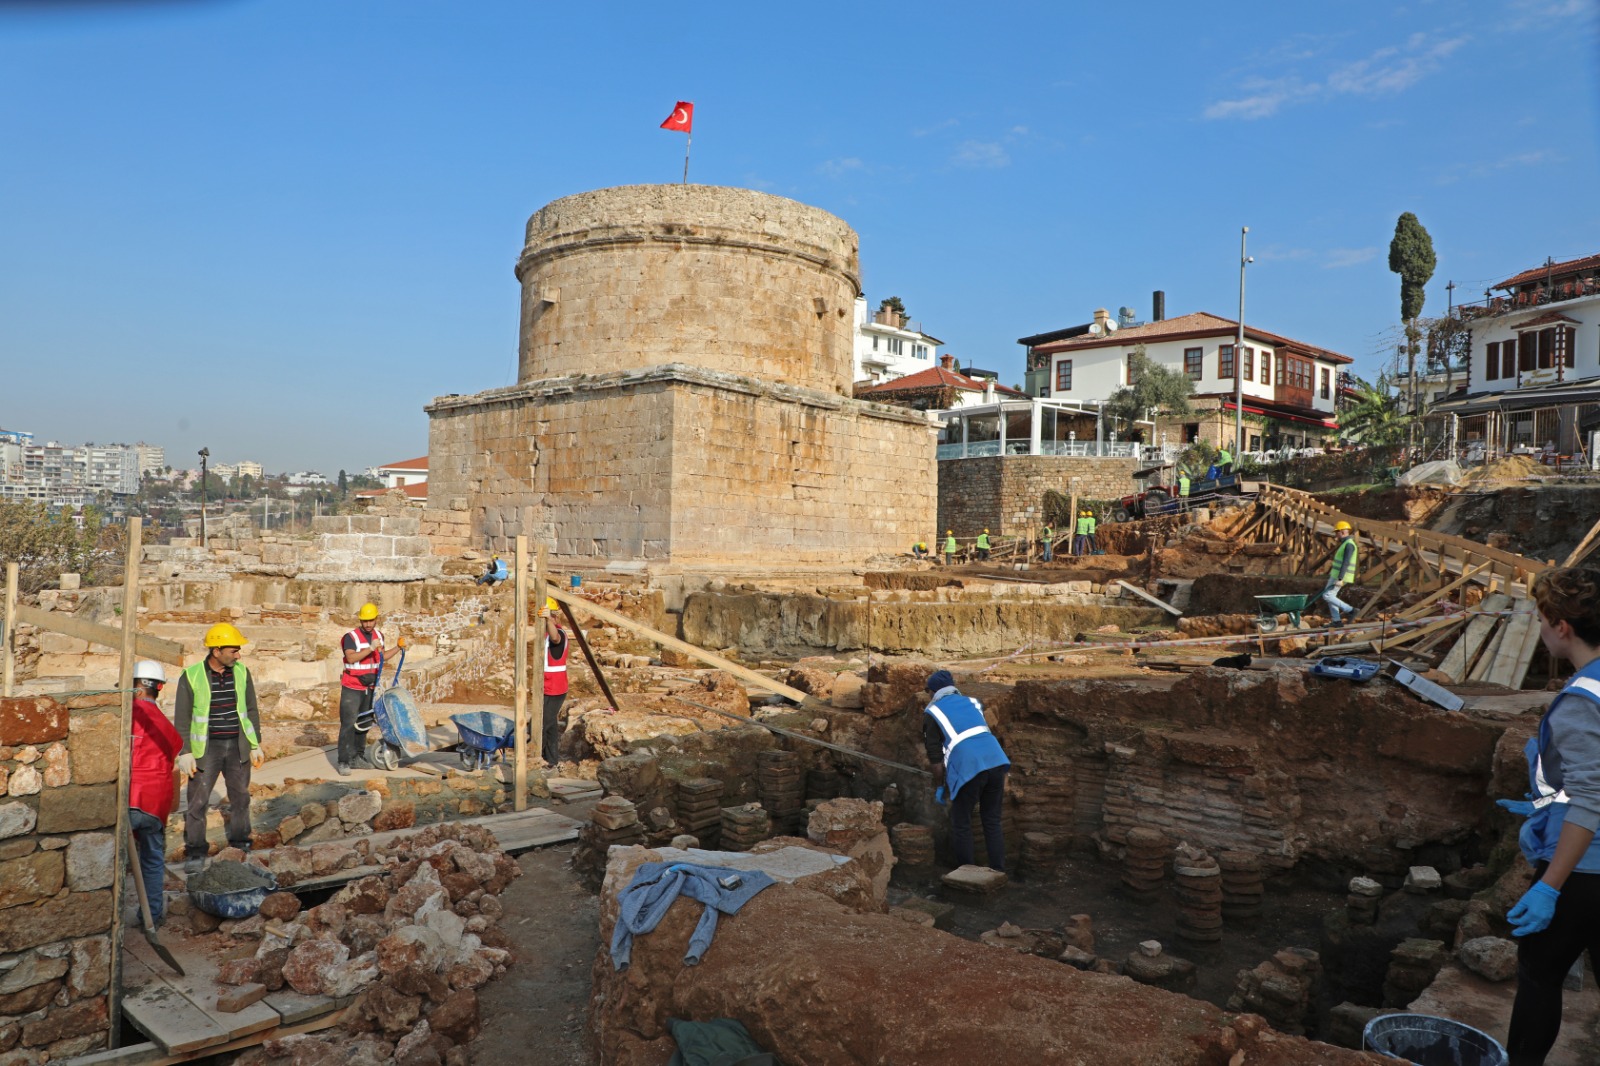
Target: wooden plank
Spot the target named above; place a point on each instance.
(294, 1008)
(199, 985)
(1459, 661)
(8, 622)
(1143, 595)
(145, 645)
(164, 1014)
(519, 676)
(761, 681)
(1424, 606)
(1490, 651)
(1522, 629)
(1530, 647)
(150, 1054)
(1377, 597)
(1585, 546)
(133, 536)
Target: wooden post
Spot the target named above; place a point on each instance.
(541, 579)
(120, 839)
(594, 664)
(9, 633)
(519, 646)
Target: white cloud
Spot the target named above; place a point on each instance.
(1277, 253)
(936, 127)
(1388, 70)
(1535, 158)
(1338, 258)
(981, 155)
(838, 168)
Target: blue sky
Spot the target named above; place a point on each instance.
(279, 228)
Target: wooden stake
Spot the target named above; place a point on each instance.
(8, 634)
(120, 839)
(588, 656)
(536, 712)
(519, 647)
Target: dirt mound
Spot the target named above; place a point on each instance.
(1512, 468)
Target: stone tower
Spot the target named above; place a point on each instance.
(683, 394)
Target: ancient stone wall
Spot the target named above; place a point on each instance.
(721, 278)
(1006, 494)
(58, 812)
(370, 547)
(684, 466)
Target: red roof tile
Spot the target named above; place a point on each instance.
(1549, 318)
(1554, 270)
(933, 378)
(419, 491)
(1184, 327)
(407, 464)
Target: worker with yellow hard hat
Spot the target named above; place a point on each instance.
(363, 649)
(1342, 572)
(555, 684)
(215, 713)
(983, 546)
(950, 546)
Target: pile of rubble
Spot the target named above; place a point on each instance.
(412, 947)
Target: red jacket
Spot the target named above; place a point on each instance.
(155, 746)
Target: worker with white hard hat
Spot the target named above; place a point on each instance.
(220, 724)
(152, 794)
(555, 683)
(363, 649)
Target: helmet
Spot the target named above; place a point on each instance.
(368, 612)
(550, 604)
(986, 530)
(149, 670)
(949, 532)
(1340, 527)
(224, 635)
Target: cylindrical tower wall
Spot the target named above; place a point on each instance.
(720, 278)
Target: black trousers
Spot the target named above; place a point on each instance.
(222, 758)
(1543, 959)
(353, 702)
(550, 734)
(987, 790)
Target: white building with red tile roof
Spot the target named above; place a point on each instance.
(938, 388)
(405, 473)
(887, 346)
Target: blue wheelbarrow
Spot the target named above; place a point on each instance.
(399, 722)
(485, 736)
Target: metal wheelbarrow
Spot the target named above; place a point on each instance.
(485, 736)
(1272, 606)
(398, 720)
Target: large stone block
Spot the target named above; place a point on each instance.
(77, 807)
(94, 748)
(90, 857)
(81, 1019)
(31, 878)
(31, 720)
(73, 915)
(402, 526)
(17, 818)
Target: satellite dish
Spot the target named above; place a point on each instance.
(1126, 316)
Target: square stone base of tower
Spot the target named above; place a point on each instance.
(685, 469)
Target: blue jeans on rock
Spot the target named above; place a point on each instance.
(150, 837)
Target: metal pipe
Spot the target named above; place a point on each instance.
(1238, 354)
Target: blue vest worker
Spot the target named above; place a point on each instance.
(969, 767)
(1558, 918)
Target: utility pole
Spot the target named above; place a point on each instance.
(1238, 354)
(205, 453)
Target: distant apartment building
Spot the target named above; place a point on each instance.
(152, 458)
(249, 469)
(889, 346)
(65, 475)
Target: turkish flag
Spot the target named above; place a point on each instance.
(682, 118)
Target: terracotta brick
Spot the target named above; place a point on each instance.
(31, 720)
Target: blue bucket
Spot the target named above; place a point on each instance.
(577, 581)
(1430, 1041)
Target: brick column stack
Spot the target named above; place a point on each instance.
(1199, 892)
(700, 809)
(1242, 886)
(912, 843)
(1144, 866)
(744, 826)
(781, 785)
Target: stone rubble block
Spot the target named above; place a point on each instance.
(1490, 957)
(974, 880)
(1423, 879)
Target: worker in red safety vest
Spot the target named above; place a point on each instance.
(555, 683)
(358, 683)
(152, 790)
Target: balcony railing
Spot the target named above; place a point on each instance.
(1511, 303)
(1079, 449)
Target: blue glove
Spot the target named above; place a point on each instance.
(941, 796)
(1520, 808)
(1534, 910)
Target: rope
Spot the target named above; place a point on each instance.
(791, 734)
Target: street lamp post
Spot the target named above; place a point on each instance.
(205, 453)
(1238, 354)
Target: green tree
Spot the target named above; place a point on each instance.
(45, 544)
(1376, 417)
(344, 485)
(1154, 388)
(1411, 256)
(893, 303)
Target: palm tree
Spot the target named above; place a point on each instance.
(1377, 416)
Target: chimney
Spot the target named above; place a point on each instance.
(1158, 306)
(988, 390)
(947, 361)
(1102, 321)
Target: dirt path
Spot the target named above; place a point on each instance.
(535, 1013)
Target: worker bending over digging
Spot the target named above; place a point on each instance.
(1559, 917)
(1341, 573)
(969, 767)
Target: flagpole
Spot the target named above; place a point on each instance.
(688, 138)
